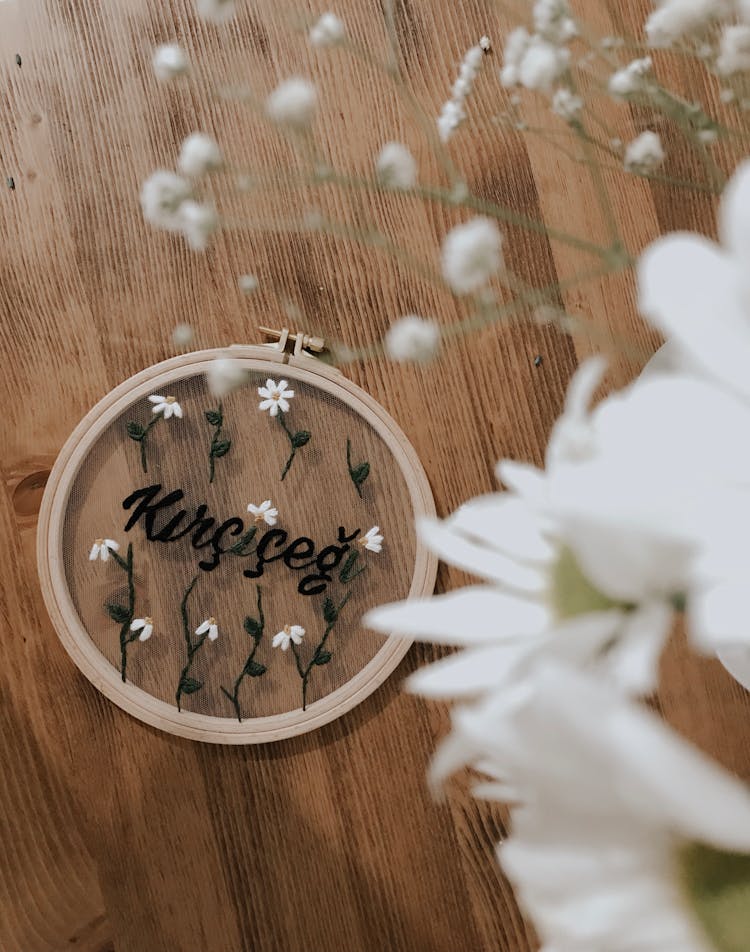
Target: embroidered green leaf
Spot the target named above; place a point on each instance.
(135, 430)
(300, 438)
(239, 547)
(190, 685)
(359, 473)
(118, 613)
(254, 669)
(253, 627)
(221, 448)
(322, 657)
(214, 417)
(330, 612)
(348, 572)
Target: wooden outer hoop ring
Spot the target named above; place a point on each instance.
(75, 638)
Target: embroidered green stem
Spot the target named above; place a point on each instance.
(254, 627)
(296, 440)
(139, 432)
(240, 547)
(219, 447)
(359, 473)
(320, 656)
(348, 573)
(123, 614)
(188, 685)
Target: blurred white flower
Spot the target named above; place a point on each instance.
(170, 61)
(453, 112)
(216, 11)
(183, 335)
(632, 78)
(197, 223)
(275, 397)
(328, 31)
(472, 254)
(208, 627)
(167, 406)
(553, 21)
(143, 625)
(567, 105)
(734, 50)
(247, 283)
(224, 375)
(396, 167)
(412, 338)
(372, 540)
(516, 44)
(293, 103)
(644, 154)
(623, 836)
(162, 195)
(199, 154)
(265, 512)
(100, 549)
(289, 634)
(542, 64)
(677, 19)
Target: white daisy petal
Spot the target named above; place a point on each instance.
(470, 672)
(94, 553)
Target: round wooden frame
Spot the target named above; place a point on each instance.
(75, 638)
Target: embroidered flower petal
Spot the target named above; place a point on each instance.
(104, 553)
(146, 633)
(266, 404)
(203, 627)
(213, 632)
(94, 553)
(177, 410)
(274, 408)
(469, 616)
(297, 633)
(168, 410)
(155, 398)
(283, 405)
(137, 623)
(264, 392)
(281, 640)
(111, 544)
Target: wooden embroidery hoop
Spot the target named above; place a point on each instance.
(78, 643)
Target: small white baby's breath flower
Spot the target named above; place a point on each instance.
(396, 167)
(734, 51)
(516, 44)
(289, 634)
(631, 79)
(644, 154)
(247, 283)
(101, 549)
(412, 338)
(144, 625)
(224, 375)
(169, 61)
(328, 31)
(266, 512)
(472, 254)
(166, 406)
(485, 44)
(275, 397)
(197, 223)
(453, 113)
(208, 627)
(675, 19)
(372, 540)
(183, 335)
(293, 103)
(542, 64)
(199, 154)
(566, 104)
(553, 21)
(216, 11)
(162, 194)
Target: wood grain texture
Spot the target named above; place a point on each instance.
(116, 836)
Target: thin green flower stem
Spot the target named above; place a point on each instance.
(670, 180)
(389, 14)
(126, 636)
(305, 671)
(234, 696)
(192, 646)
(290, 436)
(146, 430)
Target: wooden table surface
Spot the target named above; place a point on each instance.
(115, 836)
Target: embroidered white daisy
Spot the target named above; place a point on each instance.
(275, 397)
(288, 634)
(265, 512)
(372, 539)
(144, 625)
(167, 406)
(208, 626)
(100, 549)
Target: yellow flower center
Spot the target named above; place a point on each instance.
(212, 620)
(275, 394)
(98, 541)
(259, 517)
(287, 629)
(171, 400)
(149, 621)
